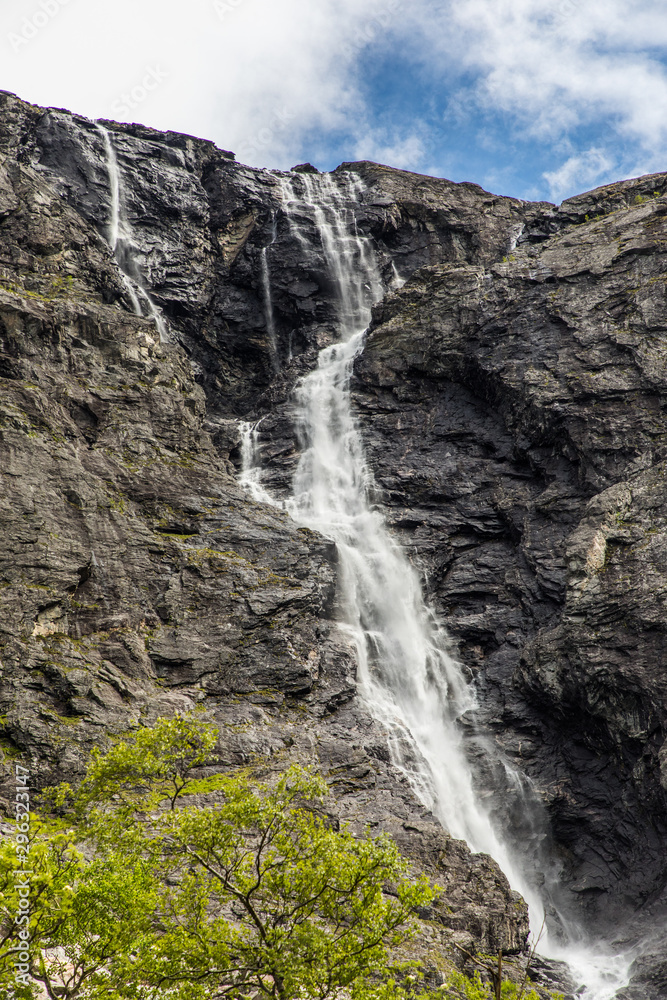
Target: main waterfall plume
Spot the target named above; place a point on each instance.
(408, 678)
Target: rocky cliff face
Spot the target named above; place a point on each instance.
(512, 398)
(515, 416)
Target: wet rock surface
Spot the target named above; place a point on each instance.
(512, 398)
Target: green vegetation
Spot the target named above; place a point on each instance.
(160, 878)
(138, 892)
(59, 287)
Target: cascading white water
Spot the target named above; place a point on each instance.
(268, 298)
(119, 238)
(407, 677)
(114, 188)
(251, 469)
(396, 280)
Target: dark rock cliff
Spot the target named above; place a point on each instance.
(512, 397)
(515, 415)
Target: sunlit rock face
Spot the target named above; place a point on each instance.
(511, 397)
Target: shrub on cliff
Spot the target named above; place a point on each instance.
(142, 891)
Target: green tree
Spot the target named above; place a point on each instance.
(159, 883)
(85, 917)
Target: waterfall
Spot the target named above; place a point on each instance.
(251, 464)
(408, 679)
(268, 300)
(119, 238)
(396, 280)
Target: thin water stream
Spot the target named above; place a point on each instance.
(265, 275)
(407, 677)
(119, 238)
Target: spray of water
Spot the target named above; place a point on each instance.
(407, 677)
(119, 238)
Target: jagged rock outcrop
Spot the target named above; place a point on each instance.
(512, 398)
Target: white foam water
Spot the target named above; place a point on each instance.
(119, 238)
(251, 464)
(407, 677)
(269, 317)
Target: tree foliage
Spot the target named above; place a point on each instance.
(149, 888)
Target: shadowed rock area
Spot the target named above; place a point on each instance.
(512, 399)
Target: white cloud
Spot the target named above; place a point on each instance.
(399, 152)
(559, 65)
(584, 170)
(254, 75)
(267, 78)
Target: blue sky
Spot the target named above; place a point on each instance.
(533, 98)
